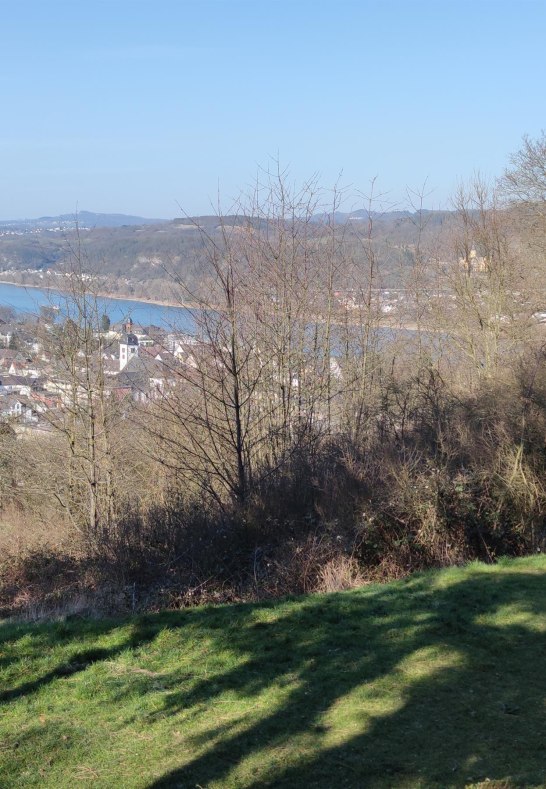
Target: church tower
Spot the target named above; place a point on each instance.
(128, 346)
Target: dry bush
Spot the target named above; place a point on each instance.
(298, 566)
(341, 572)
(36, 578)
(22, 532)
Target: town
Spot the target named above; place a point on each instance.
(138, 364)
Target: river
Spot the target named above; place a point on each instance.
(29, 300)
(144, 313)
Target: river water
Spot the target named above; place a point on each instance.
(29, 301)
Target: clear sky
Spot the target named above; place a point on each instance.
(135, 106)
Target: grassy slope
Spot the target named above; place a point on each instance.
(439, 680)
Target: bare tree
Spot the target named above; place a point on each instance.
(523, 188)
(487, 314)
(261, 380)
(525, 180)
(86, 414)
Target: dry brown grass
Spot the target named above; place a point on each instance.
(21, 532)
(340, 573)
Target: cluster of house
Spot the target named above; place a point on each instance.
(146, 362)
(138, 364)
(385, 301)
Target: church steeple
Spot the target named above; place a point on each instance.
(128, 346)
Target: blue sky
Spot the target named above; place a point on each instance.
(138, 107)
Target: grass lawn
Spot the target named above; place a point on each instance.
(435, 681)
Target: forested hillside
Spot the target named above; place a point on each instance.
(142, 260)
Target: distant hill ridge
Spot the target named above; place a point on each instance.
(91, 219)
(132, 255)
(81, 218)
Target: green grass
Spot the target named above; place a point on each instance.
(435, 681)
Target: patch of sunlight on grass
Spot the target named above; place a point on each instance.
(430, 659)
(262, 767)
(515, 614)
(476, 569)
(358, 710)
(237, 719)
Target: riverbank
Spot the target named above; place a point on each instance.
(187, 305)
(46, 289)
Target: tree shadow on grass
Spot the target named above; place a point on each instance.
(45, 637)
(471, 704)
(435, 681)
